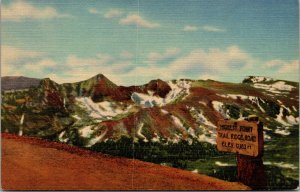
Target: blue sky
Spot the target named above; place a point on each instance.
(134, 41)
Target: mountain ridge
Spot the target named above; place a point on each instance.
(170, 95)
(247, 79)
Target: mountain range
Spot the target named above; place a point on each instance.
(98, 114)
(176, 110)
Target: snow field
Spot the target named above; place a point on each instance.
(178, 89)
(102, 110)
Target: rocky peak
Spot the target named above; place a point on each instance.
(257, 79)
(159, 87)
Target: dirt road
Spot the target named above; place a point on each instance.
(35, 164)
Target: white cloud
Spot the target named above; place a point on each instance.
(93, 11)
(210, 28)
(155, 57)
(13, 58)
(135, 19)
(113, 13)
(218, 64)
(189, 28)
(198, 64)
(291, 67)
(142, 74)
(11, 54)
(75, 68)
(274, 63)
(283, 66)
(19, 10)
(213, 60)
(282, 69)
(101, 59)
(40, 65)
(213, 64)
(124, 71)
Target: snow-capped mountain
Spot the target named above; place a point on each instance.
(97, 110)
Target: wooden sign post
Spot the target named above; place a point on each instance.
(245, 138)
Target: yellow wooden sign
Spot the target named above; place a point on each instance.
(242, 137)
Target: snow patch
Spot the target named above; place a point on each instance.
(255, 100)
(175, 139)
(285, 165)
(61, 139)
(282, 131)
(177, 122)
(277, 87)
(190, 141)
(156, 138)
(87, 131)
(279, 118)
(204, 138)
(164, 111)
(218, 163)
(200, 117)
(287, 108)
(178, 89)
(267, 163)
(147, 101)
(191, 132)
(76, 117)
(102, 110)
(241, 117)
(222, 95)
(257, 79)
(281, 165)
(280, 85)
(234, 96)
(20, 133)
(96, 139)
(208, 128)
(139, 132)
(292, 120)
(22, 119)
(237, 96)
(203, 103)
(267, 128)
(219, 107)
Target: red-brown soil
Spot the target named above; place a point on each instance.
(36, 164)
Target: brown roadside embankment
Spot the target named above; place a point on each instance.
(36, 164)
